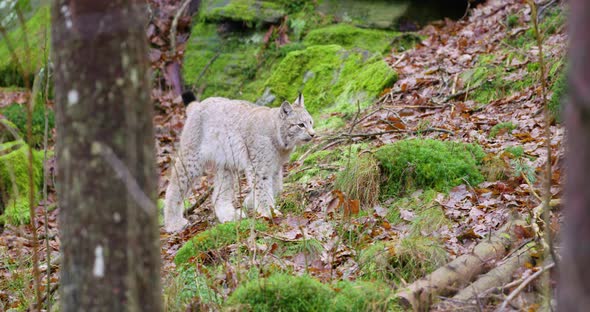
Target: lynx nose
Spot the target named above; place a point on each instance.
(311, 133)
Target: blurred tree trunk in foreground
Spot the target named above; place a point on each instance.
(574, 285)
(105, 147)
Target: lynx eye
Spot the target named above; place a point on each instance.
(301, 125)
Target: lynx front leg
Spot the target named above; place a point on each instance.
(262, 194)
(223, 194)
(183, 171)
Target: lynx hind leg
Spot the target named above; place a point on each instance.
(185, 169)
(223, 195)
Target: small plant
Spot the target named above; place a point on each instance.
(217, 237)
(425, 163)
(360, 180)
(501, 128)
(281, 292)
(512, 21)
(514, 151)
(521, 167)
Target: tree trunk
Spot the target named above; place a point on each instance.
(105, 150)
(574, 284)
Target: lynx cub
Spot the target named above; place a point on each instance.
(235, 136)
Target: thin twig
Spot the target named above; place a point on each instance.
(33, 224)
(45, 146)
(199, 202)
(527, 281)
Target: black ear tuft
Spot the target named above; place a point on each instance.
(188, 97)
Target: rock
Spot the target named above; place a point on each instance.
(248, 11)
(330, 76)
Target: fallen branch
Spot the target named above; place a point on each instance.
(527, 281)
(447, 279)
(495, 278)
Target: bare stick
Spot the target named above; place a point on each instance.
(175, 24)
(518, 289)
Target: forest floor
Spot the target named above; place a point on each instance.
(477, 80)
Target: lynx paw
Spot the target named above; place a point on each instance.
(229, 213)
(269, 213)
(176, 225)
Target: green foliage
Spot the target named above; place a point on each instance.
(349, 36)
(329, 76)
(360, 179)
(559, 89)
(217, 237)
(500, 128)
(14, 180)
(281, 292)
(17, 114)
(36, 28)
(425, 163)
(521, 167)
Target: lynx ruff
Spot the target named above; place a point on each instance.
(235, 136)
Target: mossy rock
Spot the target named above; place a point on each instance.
(281, 292)
(368, 14)
(429, 164)
(330, 76)
(17, 114)
(247, 11)
(38, 35)
(218, 236)
(14, 181)
(349, 36)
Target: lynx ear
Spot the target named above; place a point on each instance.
(299, 101)
(286, 109)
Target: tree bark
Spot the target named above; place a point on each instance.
(105, 152)
(574, 276)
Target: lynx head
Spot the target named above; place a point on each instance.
(296, 123)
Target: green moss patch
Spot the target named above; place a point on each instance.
(349, 36)
(425, 163)
(363, 296)
(217, 237)
(14, 180)
(281, 292)
(330, 76)
(37, 29)
(248, 11)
